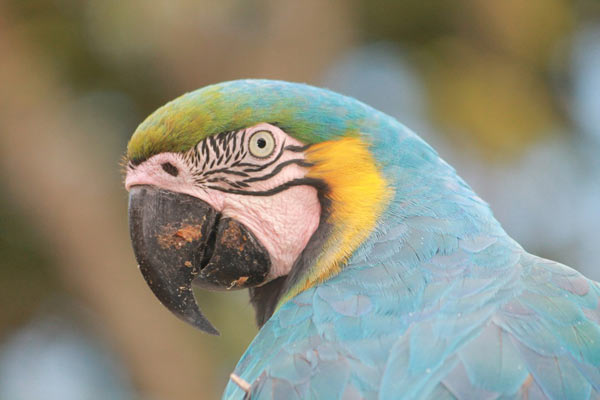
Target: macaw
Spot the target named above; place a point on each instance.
(374, 270)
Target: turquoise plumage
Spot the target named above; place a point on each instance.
(438, 303)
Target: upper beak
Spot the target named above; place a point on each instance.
(179, 240)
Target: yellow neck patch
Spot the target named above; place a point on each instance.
(358, 194)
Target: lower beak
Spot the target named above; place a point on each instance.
(180, 240)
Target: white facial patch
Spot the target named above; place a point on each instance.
(254, 176)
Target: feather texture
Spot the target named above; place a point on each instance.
(435, 300)
(348, 337)
(438, 303)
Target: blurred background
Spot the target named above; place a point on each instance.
(507, 91)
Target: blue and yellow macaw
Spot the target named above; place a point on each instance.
(375, 271)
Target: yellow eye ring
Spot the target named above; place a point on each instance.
(261, 144)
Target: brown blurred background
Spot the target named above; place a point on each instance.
(507, 91)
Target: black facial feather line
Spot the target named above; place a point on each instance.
(217, 162)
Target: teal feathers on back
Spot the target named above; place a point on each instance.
(438, 303)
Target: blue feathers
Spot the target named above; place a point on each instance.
(438, 303)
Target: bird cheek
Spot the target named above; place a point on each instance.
(299, 217)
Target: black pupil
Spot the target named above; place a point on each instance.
(261, 143)
(170, 169)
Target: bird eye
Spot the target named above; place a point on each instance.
(262, 144)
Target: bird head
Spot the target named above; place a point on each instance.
(257, 184)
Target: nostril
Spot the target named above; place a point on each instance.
(170, 169)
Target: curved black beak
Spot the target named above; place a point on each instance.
(179, 240)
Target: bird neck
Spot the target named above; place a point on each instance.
(353, 195)
(412, 204)
(356, 193)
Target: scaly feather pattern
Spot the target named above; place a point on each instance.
(438, 303)
(435, 300)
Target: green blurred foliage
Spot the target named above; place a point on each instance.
(457, 45)
(409, 22)
(27, 275)
(489, 66)
(61, 33)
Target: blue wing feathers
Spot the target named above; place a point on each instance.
(466, 317)
(531, 332)
(440, 392)
(557, 376)
(492, 362)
